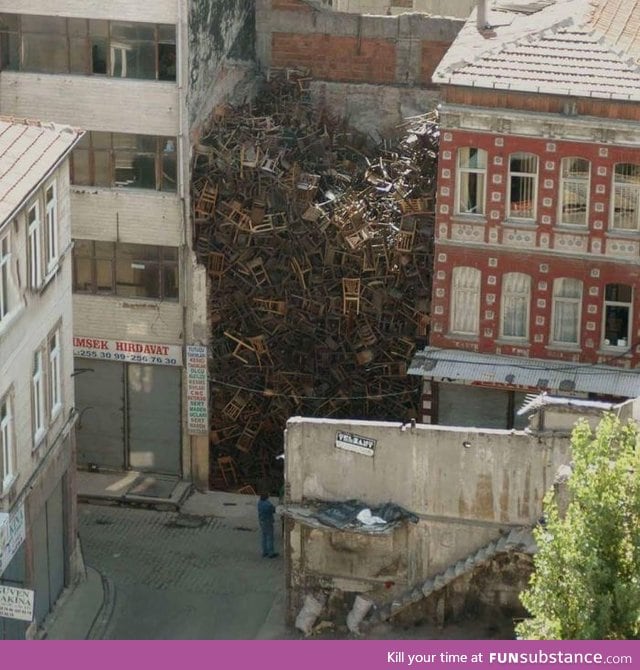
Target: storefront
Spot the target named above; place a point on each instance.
(128, 396)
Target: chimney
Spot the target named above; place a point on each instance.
(481, 14)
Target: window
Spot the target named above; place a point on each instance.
(516, 294)
(125, 161)
(626, 194)
(51, 227)
(574, 191)
(35, 246)
(7, 453)
(472, 168)
(55, 380)
(465, 301)
(617, 315)
(567, 303)
(128, 270)
(38, 399)
(5, 288)
(523, 186)
(60, 45)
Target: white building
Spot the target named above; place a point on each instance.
(38, 528)
(140, 78)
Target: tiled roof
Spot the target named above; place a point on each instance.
(29, 150)
(569, 47)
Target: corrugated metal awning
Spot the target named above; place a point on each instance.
(452, 365)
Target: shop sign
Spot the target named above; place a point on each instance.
(16, 603)
(124, 351)
(197, 404)
(358, 443)
(12, 534)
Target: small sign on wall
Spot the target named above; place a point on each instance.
(12, 535)
(357, 443)
(197, 382)
(16, 603)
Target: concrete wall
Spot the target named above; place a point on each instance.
(458, 8)
(221, 52)
(158, 11)
(464, 497)
(344, 47)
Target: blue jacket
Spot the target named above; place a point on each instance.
(266, 510)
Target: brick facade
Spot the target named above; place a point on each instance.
(544, 248)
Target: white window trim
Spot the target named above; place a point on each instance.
(52, 237)
(465, 171)
(5, 269)
(476, 291)
(559, 299)
(8, 446)
(612, 212)
(570, 180)
(617, 303)
(527, 322)
(535, 176)
(39, 404)
(34, 246)
(55, 373)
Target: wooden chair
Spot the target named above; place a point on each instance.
(350, 295)
(227, 469)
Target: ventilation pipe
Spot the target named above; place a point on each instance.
(482, 14)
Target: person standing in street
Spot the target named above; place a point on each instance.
(266, 510)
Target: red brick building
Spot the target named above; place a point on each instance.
(538, 217)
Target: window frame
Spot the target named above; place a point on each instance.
(617, 303)
(34, 246)
(507, 292)
(52, 250)
(575, 181)
(616, 186)
(38, 399)
(471, 292)
(6, 297)
(7, 443)
(54, 362)
(464, 172)
(555, 308)
(523, 175)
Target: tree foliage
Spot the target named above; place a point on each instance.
(586, 580)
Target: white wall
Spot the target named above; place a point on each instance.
(157, 11)
(30, 329)
(119, 318)
(92, 103)
(457, 8)
(126, 215)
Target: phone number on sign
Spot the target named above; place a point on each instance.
(125, 358)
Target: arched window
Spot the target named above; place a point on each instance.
(472, 170)
(516, 296)
(567, 304)
(574, 191)
(465, 301)
(523, 186)
(626, 196)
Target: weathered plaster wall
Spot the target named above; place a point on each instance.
(457, 8)
(221, 55)
(464, 496)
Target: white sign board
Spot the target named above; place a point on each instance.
(357, 443)
(197, 404)
(16, 603)
(124, 351)
(12, 534)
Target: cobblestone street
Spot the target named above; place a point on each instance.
(180, 576)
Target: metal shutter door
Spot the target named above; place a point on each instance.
(460, 405)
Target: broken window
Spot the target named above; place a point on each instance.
(617, 315)
(128, 270)
(54, 44)
(472, 169)
(125, 161)
(574, 199)
(523, 185)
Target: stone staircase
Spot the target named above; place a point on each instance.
(518, 539)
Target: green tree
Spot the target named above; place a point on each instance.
(586, 579)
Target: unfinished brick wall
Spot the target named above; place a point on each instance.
(352, 48)
(336, 58)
